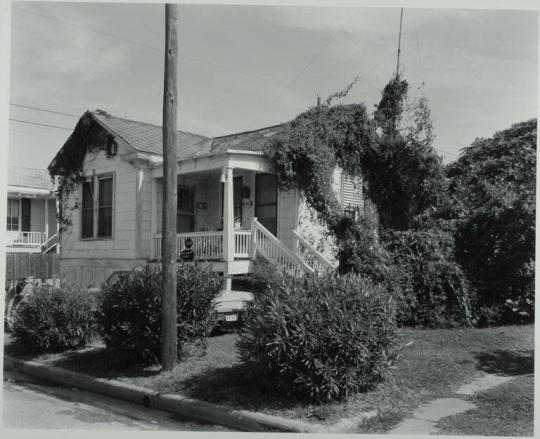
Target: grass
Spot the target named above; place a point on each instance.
(436, 364)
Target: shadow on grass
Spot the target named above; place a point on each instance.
(102, 363)
(238, 387)
(506, 362)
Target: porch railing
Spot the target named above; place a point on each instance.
(26, 238)
(208, 245)
(311, 256)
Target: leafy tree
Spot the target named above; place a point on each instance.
(405, 174)
(493, 185)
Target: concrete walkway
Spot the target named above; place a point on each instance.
(424, 419)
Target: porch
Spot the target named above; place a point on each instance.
(230, 209)
(31, 222)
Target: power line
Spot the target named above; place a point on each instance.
(137, 43)
(310, 62)
(98, 31)
(44, 110)
(40, 124)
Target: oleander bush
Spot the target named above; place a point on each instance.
(129, 313)
(54, 319)
(321, 338)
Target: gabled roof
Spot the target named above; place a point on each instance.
(29, 178)
(148, 138)
(246, 141)
(145, 137)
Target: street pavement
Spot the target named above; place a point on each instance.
(29, 404)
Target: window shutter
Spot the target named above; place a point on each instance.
(26, 214)
(351, 193)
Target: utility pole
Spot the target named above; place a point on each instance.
(169, 353)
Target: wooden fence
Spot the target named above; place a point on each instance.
(21, 265)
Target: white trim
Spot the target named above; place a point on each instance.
(250, 162)
(17, 190)
(246, 152)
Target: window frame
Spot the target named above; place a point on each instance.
(95, 179)
(18, 200)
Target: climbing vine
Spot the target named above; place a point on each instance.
(67, 167)
(391, 151)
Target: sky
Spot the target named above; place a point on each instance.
(247, 67)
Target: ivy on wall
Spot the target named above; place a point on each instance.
(67, 167)
(391, 150)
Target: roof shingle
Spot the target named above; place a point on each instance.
(29, 177)
(145, 137)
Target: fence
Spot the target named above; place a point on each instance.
(21, 265)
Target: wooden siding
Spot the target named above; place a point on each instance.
(122, 243)
(287, 216)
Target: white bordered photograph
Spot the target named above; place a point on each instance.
(310, 218)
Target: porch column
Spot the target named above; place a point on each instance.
(46, 210)
(228, 225)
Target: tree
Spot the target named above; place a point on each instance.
(493, 184)
(404, 173)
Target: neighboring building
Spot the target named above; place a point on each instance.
(228, 202)
(31, 211)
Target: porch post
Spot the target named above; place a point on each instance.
(46, 213)
(228, 226)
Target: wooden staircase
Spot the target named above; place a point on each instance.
(50, 245)
(305, 260)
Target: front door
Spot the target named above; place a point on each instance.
(266, 201)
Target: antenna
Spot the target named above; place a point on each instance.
(399, 43)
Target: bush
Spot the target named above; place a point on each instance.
(54, 319)
(320, 337)
(129, 315)
(496, 246)
(434, 290)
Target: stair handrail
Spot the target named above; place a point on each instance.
(327, 264)
(44, 245)
(256, 225)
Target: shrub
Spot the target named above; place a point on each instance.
(320, 337)
(434, 289)
(496, 246)
(129, 315)
(54, 319)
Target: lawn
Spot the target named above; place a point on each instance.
(433, 366)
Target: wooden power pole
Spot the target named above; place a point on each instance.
(169, 352)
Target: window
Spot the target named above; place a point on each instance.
(97, 207)
(185, 216)
(13, 215)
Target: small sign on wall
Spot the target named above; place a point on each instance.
(201, 205)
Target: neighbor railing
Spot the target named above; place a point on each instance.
(26, 238)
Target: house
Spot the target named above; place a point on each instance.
(31, 211)
(229, 205)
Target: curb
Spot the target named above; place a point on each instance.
(204, 411)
